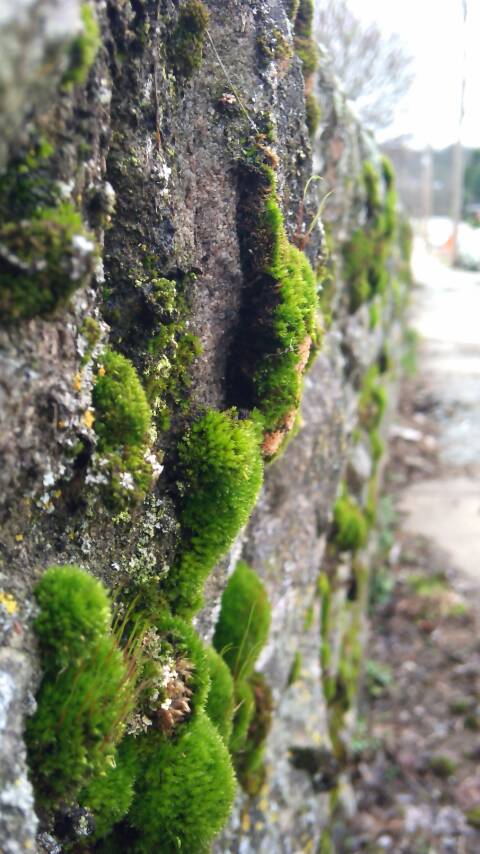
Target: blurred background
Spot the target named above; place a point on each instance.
(412, 73)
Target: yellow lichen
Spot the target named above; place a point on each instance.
(8, 602)
(88, 418)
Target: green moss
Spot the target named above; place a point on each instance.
(350, 526)
(390, 205)
(292, 9)
(377, 446)
(184, 791)
(86, 694)
(220, 703)
(91, 331)
(372, 500)
(83, 49)
(427, 585)
(410, 352)
(296, 669)
(122, 424)
(373, 400)
(220, 463)
(274, 46)
(375, 315)
(305, 46)
(244, 621)
(326, 843)
(278, 378)
(460, 705)
(279, 329)
(110, 795)
(39, 262)
(378, 677)
(442, 766)
(243, 714)
(185, 45)
(249, 763)
(172, 348)
(366, 253)
(308, 619)
(313, 113)
(473, 817)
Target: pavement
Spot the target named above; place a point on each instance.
(446, 314)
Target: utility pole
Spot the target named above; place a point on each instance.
(457, 165)
(427, 191)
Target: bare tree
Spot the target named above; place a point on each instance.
(375, 69)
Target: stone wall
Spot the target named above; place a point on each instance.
(151, 149)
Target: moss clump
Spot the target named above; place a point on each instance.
(243, 714)
(184, 791)
(122, 424)
(86, 694)
(172, 348)
(473, 817)
(296, 669)
(41, 266)
(305, 46)
(274, 46)
(350, 525)
(185, 45)
(109, 795)
(244, 621)
(280, 325)
(83, 49)
(250, 760)
(240, 633)
(366, 254)
(377, 447)
(313, 113)
(91, 331)
(373, 400)
(221, 466)
(442, 766)
(220, 702)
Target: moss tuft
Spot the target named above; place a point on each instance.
(220, 702)
(313, 113)
(184, 792)
(220, 463)
(185, 45)
(281, 303)
(305, 46)
(109, 795)
(473, 817)
(122, 424)
(350, 525)
(442, 765)
(249, 762)
(373, 400)
(83, 49)
(296, 669)
(366, 253)
(244, 621)
(172, 348)
(86, 694)
(243, 714)
(41, 266)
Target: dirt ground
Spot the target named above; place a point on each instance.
(415, 761)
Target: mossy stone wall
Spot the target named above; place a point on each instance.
(168, 290)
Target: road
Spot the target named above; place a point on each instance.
(446, 314)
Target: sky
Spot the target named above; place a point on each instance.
(433, 32)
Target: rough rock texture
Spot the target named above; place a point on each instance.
(150, 157)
